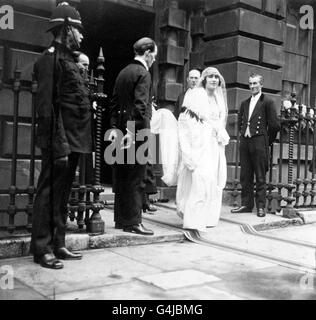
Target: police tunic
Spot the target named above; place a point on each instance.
(62, 103)
(64, 129)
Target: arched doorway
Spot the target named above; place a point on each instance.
(114, 26)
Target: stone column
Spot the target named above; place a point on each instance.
(241, 37)
(170, 34)
(171, 57)
(197, 30)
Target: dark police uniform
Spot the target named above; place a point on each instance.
(254, 150)
(130, 102)
(64, 129)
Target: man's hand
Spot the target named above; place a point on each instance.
(127, 141)
(154, 105)
(153, 102)
(61, 162)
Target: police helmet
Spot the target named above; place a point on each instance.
(64, 12)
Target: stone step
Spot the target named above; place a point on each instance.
(78, 239)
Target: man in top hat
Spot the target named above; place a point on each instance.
(130, 113)
(63, 133)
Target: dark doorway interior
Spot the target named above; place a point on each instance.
(115, 28)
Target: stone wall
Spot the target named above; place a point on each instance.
(19, 49)
(242, 37)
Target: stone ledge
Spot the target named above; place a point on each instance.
(307, 216)
(20, 246)
(110, 240)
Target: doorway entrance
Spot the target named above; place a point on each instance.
(114, 26)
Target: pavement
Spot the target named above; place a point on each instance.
(122, 266)
(165, 223)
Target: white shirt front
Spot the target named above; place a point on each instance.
(252, 104)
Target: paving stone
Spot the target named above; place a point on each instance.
(20, 291)
(274, 283)
(178, 279)
(144, 291)
(97, 268)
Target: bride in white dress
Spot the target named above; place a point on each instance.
(202, 138)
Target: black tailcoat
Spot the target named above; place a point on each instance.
(254, 151)
(131, 102)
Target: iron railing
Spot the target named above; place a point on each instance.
(84, 203)
(291, 178)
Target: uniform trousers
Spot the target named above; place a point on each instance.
(253, 162)
(150, 183)
(129, 190)
(50, 204)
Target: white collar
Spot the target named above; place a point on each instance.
(140, 59)
(256, 97)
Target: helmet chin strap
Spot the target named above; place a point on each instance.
(68, 27)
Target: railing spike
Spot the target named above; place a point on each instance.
(101, 53)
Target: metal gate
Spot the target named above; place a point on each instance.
(84, 203)
(291, 177)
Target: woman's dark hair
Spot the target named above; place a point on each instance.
(204, 82)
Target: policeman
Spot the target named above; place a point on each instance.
(63, 133)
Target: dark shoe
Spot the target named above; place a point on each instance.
(139, 229)
(118, 225)
(64, 254)
(241, 209)
(261, 213)
(149, 207)
(48, 260)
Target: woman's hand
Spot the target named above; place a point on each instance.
(223, 137)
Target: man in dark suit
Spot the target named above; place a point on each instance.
(131, 113)
(83, 62)
(63, 133)
(258, 126)
(192, 81)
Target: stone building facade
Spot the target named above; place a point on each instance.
(236, 36)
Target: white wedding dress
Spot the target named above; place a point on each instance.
(165, 124)
(193, 157)
(202, 170)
